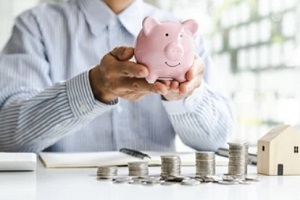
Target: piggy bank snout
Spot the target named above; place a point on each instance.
(174, 51)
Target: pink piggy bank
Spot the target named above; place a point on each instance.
(166, 48)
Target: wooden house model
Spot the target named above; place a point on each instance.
(278, 152)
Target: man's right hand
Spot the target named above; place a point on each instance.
(116, 76)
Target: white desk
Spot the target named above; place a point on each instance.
(81, 184)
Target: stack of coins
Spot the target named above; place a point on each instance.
(205, 163)
(170, 166)
(238, 159)
(139, 169)
(107, 172)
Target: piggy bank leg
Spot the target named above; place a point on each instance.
(151, 78)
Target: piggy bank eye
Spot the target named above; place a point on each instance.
(181, 35)
(167, 34)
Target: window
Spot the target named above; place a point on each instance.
(263, 148)
(296, 149)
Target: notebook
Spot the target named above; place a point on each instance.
(94, 159)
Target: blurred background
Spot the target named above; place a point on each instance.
(255, 48)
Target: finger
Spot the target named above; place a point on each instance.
(165, 82)
(174, 85)
(184, 88)
(122, 53)
(160, 88)
(134, 85)
(188, 88)
(190, 74)
(131, 69)
(132, 96)
(196, 69)
(121, 67)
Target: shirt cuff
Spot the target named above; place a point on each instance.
(188, 103)
(81, 97)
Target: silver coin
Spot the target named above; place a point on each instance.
(170, 166)
(238, 158)
(190, 182)
(215, 178)
(246, 182)
(106, 172)
(122, 179)
(152, 178)
(228, 182)
(231, 179)
(168, 183)
(135, 182)
(138, 168)
(150, 183)
(205, 163)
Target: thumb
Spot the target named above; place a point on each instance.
(122, 53)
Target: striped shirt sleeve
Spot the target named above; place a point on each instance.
(35, 113)
(204, 120)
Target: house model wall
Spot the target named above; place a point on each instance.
(278, 152)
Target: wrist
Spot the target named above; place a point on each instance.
(98, 89)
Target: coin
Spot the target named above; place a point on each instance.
(190, 182)
(205, 163)
(168, 183)
(150, 182)
(135, 182)
(170, 166)
(238, 158)
(228, 182)
(106, 172)
(139, 169)
(243, 182)
(122, 179)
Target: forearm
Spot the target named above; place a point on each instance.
(43, 119)
(203, 121)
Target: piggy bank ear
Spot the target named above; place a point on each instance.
(190, 25)
(148, 24)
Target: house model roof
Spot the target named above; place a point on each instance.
(275, 132)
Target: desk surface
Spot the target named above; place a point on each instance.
(79, 184)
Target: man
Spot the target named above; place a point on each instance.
(50, 98)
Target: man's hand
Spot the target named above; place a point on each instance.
(178, 90)
(116, 76)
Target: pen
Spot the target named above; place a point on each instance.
(134, 153)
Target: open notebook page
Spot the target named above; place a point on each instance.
(94, 159)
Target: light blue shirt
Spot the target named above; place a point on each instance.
(46, 99)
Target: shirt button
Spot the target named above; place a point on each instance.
(113, 22)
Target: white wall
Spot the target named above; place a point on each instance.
(9, 9)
